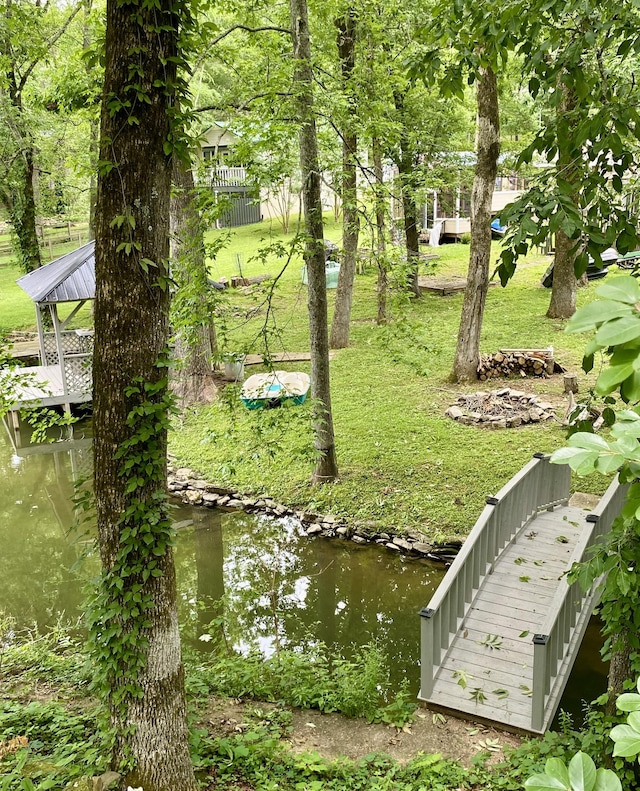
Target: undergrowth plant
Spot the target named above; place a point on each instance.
(313, 678)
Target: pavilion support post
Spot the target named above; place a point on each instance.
(43, 354)
(58, 331)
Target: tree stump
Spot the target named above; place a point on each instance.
(570, 383)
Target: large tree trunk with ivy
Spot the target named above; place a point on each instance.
(135, 633)
(381, 230)
(346, 25)
(192, 310)
(23, 213)
(467, 357)
(565, 285)
(326, 465)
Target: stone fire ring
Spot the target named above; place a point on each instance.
(505, 408)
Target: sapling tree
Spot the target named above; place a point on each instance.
(579, 58)
(615, 319)
(326, 465)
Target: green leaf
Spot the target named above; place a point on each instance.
(618, 331)
(620, 289)
(587, 441)
(611, 377)
(627, 741)
(555, 767)
(582, 772)
(606, 780)
(589, 316)
(544, 783)
(610, 463)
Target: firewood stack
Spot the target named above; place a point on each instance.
(516, 362)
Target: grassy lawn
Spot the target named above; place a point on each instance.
(403, 465)
(17, 311)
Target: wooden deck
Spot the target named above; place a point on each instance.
(43, 388)
(488, 670)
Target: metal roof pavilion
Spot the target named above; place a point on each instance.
(65, 355)
(70, 278)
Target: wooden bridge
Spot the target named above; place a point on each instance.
(501, 633)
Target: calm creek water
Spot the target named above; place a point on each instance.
(335, 591)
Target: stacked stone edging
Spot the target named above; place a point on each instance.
(192, 490)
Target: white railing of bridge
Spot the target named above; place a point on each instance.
(569, 610)
(537, 487)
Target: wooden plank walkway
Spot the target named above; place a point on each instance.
(282, 357)
(487, 672)
(23, 350)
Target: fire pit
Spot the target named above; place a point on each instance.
(505, 408)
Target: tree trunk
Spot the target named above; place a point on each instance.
(22, 200)
(620, 670)
(467, 357)
(351, 218)
(406, 166)
(136, 637)
(381, 258)
(192, 311)
(326, 466)
(565, 285)
(23, 217)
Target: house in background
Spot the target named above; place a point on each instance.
(247, 202)
(447, 212)
(228, 182)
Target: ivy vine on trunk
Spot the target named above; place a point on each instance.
(135, 632)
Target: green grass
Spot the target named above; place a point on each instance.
(403, 465)
(17, 311)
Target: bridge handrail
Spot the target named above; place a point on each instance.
(536, 487)
(568, 604)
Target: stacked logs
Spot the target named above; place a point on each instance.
(516, 362)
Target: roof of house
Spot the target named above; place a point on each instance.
(70, 278)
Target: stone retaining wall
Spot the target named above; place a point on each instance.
(185, 484)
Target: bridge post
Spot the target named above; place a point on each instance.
(429, 649)
(540, 681)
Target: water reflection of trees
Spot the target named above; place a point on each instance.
(267, 574)
(276, 580)
(38, 581)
